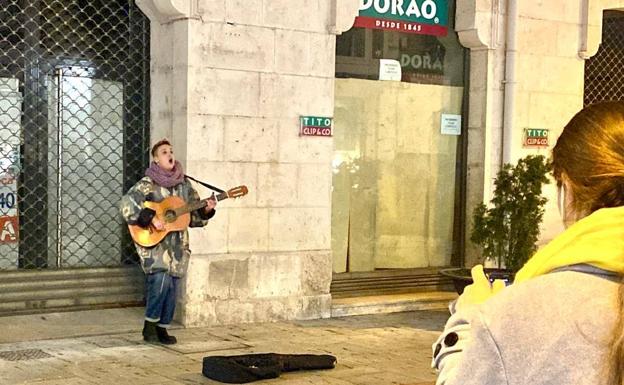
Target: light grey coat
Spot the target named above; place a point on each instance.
(553, 329)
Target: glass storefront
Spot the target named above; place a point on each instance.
(395, 167)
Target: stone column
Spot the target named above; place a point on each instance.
(481, 32)
(229, 82)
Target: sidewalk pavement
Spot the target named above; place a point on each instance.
(106, 347)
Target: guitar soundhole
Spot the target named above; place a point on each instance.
(170, 216)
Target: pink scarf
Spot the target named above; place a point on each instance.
(166, 178)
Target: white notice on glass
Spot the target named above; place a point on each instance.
(389, 70)
(450, 124)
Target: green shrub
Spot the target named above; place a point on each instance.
(508, 230)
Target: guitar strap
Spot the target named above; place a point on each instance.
(213, 188)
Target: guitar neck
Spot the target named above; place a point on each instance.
(198, 205)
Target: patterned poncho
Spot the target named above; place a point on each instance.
(172, 253)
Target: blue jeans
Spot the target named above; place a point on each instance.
(161, 289)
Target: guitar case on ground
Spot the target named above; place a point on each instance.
(254, 367)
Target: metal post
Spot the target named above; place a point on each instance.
(59, 169)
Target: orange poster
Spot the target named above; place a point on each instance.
(9, 229)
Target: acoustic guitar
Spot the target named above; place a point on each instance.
(175, 215)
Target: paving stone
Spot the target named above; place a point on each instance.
(64, 381)
(110, 342)
(310, 379)
(31, 372)
(199, 357)
(210, 346)
(176, 370)
(116, 373)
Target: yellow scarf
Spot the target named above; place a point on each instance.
(597, 240)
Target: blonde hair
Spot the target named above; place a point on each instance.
(590, 154)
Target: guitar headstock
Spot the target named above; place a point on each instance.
(237, 192)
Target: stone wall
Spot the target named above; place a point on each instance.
(229, 82)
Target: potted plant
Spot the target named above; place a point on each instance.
(507, 230)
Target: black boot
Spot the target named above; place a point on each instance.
(164, 337)
(149, 332)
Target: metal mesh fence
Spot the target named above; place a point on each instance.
(604, 72)
(74, 113)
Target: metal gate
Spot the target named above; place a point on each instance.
(85, 166)
(74, 135)
(604, 72)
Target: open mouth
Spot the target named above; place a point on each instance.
(170, 161)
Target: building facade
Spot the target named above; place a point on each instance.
(528, 71)
(228, 82)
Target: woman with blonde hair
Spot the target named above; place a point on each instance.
(561, 321)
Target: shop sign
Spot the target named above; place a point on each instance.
(424, 17)
(389, 70)
(8, 199)
(9, 229)
(422, 62)
(535, 137)
(10, 143)
(9, 220)
(315, 126)
(9, 169)
(450, 124)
